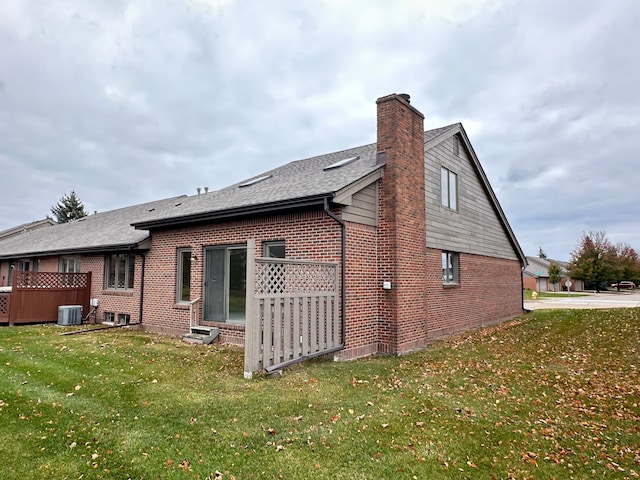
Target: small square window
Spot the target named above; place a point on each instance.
(273, 249)
(109, 317)
(450, 268)
(124, 319)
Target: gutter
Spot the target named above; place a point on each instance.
(73, 251)
(208, 216)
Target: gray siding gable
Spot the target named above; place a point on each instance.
(479, 225)
(539, 267)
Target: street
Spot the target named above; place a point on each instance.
(610, 299)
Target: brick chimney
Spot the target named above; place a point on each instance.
(402, 250)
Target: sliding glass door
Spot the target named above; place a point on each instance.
(225, 284)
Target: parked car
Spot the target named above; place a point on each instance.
(624, 284)
(596, 287)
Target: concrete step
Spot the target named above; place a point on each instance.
(201, 335)
(205, 330)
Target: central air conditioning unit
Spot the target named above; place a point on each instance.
(70, 315)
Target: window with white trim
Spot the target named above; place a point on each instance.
(449, 188)
(450, 267)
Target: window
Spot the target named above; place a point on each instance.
(118, 271)
(456, 145)
(273, 249)
(29, 264)
(184, 275)
(124, 319)
(449, 188)
(109, 317)
(449, 267)
(70, 264)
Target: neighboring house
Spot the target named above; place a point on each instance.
(103, 243)
(27, 227)
(5, 279)
(535, 276)
(422, 245)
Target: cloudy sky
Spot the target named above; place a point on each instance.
(128, 101)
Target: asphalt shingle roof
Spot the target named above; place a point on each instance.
(296, 180)
(100, 231)
(113, 229)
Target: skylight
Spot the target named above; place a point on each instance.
(254, 181)
(341, 163)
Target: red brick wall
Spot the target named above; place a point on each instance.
(530, 283)
(125, 302)
(362, 292)
(402, 231)
(310, 235)
(114, 301)
(489, 291)
(49, 264)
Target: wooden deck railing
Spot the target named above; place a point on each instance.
(193, 313)
(36, 296)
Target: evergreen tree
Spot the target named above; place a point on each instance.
(68, 208)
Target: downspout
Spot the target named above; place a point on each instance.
(144, 258)
(343, 301)
(343, 272)
(525, 310)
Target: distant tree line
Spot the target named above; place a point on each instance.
(598, 262)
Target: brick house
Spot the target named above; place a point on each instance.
(535, 276)
(422, 245)
(104, 244)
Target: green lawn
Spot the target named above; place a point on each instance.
(553, 394)
(527, 294)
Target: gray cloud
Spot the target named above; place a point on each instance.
(126, 101)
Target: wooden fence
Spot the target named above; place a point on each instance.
(36, 296)
(293, 310)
